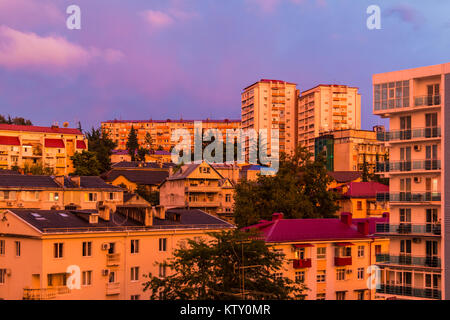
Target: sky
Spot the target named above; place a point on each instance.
(153, 59)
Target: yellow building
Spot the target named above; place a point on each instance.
(330, 256)
(92, 255)
(160, 130)
(132, 178)
(198, 186)
(271, 104)
(60, 192)
(51, 147)
(158, 156)
(416, 102)
(327, 108)
(348, 150)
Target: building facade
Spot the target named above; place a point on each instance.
(415, 102)
(25, 146)
(327, 108)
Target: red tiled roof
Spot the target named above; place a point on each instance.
(296, 230)
(9, 141)
(81, 144)
(54, 143)
(364, 189)
(344, 176)
(14, 127)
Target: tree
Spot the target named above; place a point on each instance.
(365, 174)
(37, 169)
(86, 164)
(101, 145)
(132, 144)
(16, 120)
(299, 190)
(148, 141)
(150, 196)
(215, 269)
(141, 153)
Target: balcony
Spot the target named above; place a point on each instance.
(410, 291)
(342, 261)
(408, 166)
(410, 134)
(427, 101)
(409, 228)
(301, 263)
(409, 260)
(112, 259)
(202, 188)
(112, 288)
(409, 197)
(44, 293)
(202, 204)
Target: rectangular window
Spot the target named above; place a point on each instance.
(135, 297)
(360, 251)
(134, 246)
(320, 296)
(2, 276)
(340, 295)
(87, 249)
(58, 250)
(112, 277)
(134, 273)
(360, 273)
(2, 247)
(162, 244)
(162, 270)
(340, 274)
(321, 253)
(321, 276)
(300, 276)
(17, 244)
(86, 278)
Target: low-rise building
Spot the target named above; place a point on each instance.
(132, 178)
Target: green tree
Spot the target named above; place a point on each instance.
(132, 144)
(215, 270)
(150, 196)
(86, 164)
(141, 153)
(101, 145)
(38, 169)
(299, 190)
(148, 141)
(16, 120)
(365, 174)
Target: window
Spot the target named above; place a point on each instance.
(134, 273)
(8, 195)
(300, 276)
(2, 247)
(360, 251)
(340, 295)
(321, 252)
(134, 246)
(87, 249)
(162, 270)
(86, 278)
(135, 297)
(359, 205)
(112, 277)
(278, 275)
(111, 195)
(360, 273)
(359, 294)
(321, 276)
(228, 198)
(17, 243)
(162, 244)
(320, 296)
(91, 196)
(340, 274)
(53, 196)
(58, 250)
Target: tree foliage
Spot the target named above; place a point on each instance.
(213, 270)
(16, 120)
(132, 144)
(101, 145)
(299, 190)
(151, 196)
(37, 169)
(86, 164)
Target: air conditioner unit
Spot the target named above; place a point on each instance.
(417, 179)
(20, 205)
(417, 240)
(8, 272)
(349, 271)
(105, 246)
(105, 272)
(9, 204)
(417, 147)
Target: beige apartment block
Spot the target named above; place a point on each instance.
(415, 101)
(271, 104)
(327, 108)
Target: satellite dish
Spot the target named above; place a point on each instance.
(65, 124)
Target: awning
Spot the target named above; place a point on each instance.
(54, 143)
(81, 144)
(303, 245)
(343, 244)
(9, 141)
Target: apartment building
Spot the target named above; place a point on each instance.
(330, 256)
(160, 131)
(51, 147)
(415, 102)
(56, 192)
(200, 186)
(92, 255)
(327, 108)
(349, 149)
(159, 156)
(271, 104)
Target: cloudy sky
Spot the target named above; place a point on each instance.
(135, 59)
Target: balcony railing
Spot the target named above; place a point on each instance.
(405, 166)
(301, 263)
(113, 288)
(112, 259)
(410, 291)
(421, 101)
(408, 228)
(44, 293)
(409, 197)
(409, 260)
(409, 134)
(342, 261)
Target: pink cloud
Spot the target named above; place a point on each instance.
(157, 19)
(26, 13)
(20, 50)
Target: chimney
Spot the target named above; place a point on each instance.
(277, 216)
(159, 212)
(59, 180)
(346, 217)
(148, 220)
(104, 212)
(363, 227)
(76, 180)
(93, 218)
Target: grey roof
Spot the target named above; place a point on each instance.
(191, 217)
(24, 181)
(184, 171)
(145, 177)
(89, 182)
(7, 171)
(138, 164)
